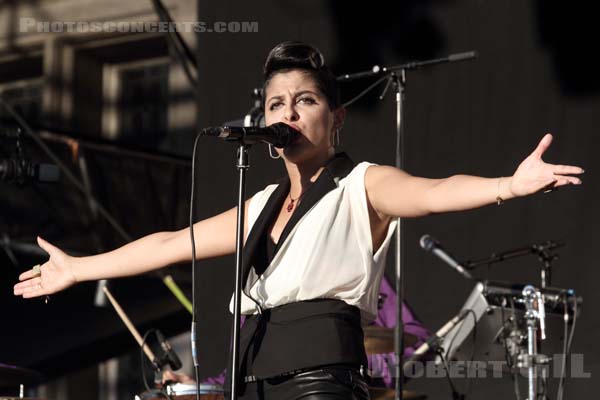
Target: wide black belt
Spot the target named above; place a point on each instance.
(301, 336)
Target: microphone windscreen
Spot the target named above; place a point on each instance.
(284, 134)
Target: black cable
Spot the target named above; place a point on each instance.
(546, 386)
(462, 322)
(142, 360)
(448, 351)
(142, 363)
(472, 313)
(515, 378)
(193, 242)
(572, 326)
(563, 368)
(455, 394)
(514, 372)
(507, 356)
(563, 381)
(364, 92)
(543, 392)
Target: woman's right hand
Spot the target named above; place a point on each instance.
(173, 377)
(56, 274)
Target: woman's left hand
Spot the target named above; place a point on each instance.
(534, 175)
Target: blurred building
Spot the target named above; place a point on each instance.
(100, 69)
(103, 71)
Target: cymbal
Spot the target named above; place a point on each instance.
(14, 376)
(388, 394)
(380, 340)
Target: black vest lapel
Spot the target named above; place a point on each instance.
(255, 244)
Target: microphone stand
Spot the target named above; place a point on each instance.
(242, 166)
(251, 119)
(399, 83)
(541, 249)
(396, 76)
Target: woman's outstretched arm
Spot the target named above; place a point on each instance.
(394, 193)
(214, 236)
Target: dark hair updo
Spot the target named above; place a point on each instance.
(288, 56)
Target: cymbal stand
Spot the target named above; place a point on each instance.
(534, 304)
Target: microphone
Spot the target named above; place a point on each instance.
(279, 135)
(22, 171)
(170, 356)
(428, 243)
(433, 341)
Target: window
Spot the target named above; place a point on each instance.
(137, 101)
(21, 85)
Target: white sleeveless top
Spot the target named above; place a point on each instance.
(328, 254)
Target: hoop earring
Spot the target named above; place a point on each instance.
(336, 138)
(271, 153)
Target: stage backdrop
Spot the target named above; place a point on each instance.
(479, 117)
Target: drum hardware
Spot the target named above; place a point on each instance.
(168, 358)
(11, 375)
(182, 391)
(535, 313)
(434, 343)
(517, 335)
(542, 250)
(380, 340)
(512, 321)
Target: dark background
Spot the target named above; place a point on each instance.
(535, 73)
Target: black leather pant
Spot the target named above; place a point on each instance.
(330, 383)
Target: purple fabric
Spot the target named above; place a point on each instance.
(379, 364)
(386, 316)
(220, 379)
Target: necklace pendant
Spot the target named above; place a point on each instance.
(290, 206)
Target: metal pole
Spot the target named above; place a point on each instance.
(242, 166)
(529, 294)
(399, 82)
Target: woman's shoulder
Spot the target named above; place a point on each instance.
(265, 193)
(357, 174)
